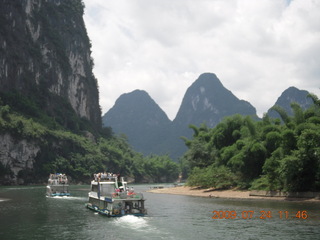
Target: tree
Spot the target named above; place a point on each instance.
(284, 116)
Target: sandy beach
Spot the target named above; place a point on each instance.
(189, 191)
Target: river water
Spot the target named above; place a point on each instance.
(26, 213)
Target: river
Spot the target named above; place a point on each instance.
(26, 213)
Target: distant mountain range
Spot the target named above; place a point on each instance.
(150, 131)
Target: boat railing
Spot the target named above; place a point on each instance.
(105, 177)
(57, 178)
(124, 195)
(56, 183)
(106, 180)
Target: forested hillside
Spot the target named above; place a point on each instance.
(267, 154)
(50, 149)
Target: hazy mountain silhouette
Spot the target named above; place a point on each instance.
(150, 131)
(206, 101)
(290, 95)
(136, 115)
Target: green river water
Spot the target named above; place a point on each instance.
(26, 213)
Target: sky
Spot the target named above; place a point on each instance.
(257, 49)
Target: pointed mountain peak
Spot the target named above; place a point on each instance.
(207, 80)
(208, 77)
(138, 116)
(136, 95)
(135, 105)
(294, 92)
(137, 92)
(207, 100)
(288, 96)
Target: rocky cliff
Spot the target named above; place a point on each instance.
(46, 82)
(16, 155)
(208, 101)
(44, 44)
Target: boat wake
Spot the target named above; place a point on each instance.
(68, 198)
(22, 188)
(136, 226)
(130, 221)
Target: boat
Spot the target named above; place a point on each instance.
(58, 185)
(111, 196)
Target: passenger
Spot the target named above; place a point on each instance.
(64, 179)
(131, 191)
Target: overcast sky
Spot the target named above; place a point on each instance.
(256, 48)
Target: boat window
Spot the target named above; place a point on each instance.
(94, 188)
(107, 188)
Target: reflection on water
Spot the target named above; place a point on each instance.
(29, 214)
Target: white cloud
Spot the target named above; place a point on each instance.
(256, 48)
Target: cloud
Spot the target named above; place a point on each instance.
(256, 48)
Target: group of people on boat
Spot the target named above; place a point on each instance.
(105, 176)
(57, 178)
(129, 191)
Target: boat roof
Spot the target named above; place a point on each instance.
(107, 178)
(106, 181)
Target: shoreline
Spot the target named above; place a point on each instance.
(228, 194)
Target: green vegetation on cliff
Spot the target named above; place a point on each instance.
(75, 150)
(267, 154)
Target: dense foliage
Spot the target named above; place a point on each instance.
(73, 149)
(272, 154)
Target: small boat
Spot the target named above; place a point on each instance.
(58, 185)
(113, 198)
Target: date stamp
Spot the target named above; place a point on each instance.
(250, 214)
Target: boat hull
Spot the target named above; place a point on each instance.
(113, 198)
(59, 195)
(116, 208)
(58, 191)
(106, 212)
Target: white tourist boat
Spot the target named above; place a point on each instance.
(58, 185)
(113, 198)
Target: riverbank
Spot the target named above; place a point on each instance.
(210, 193)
